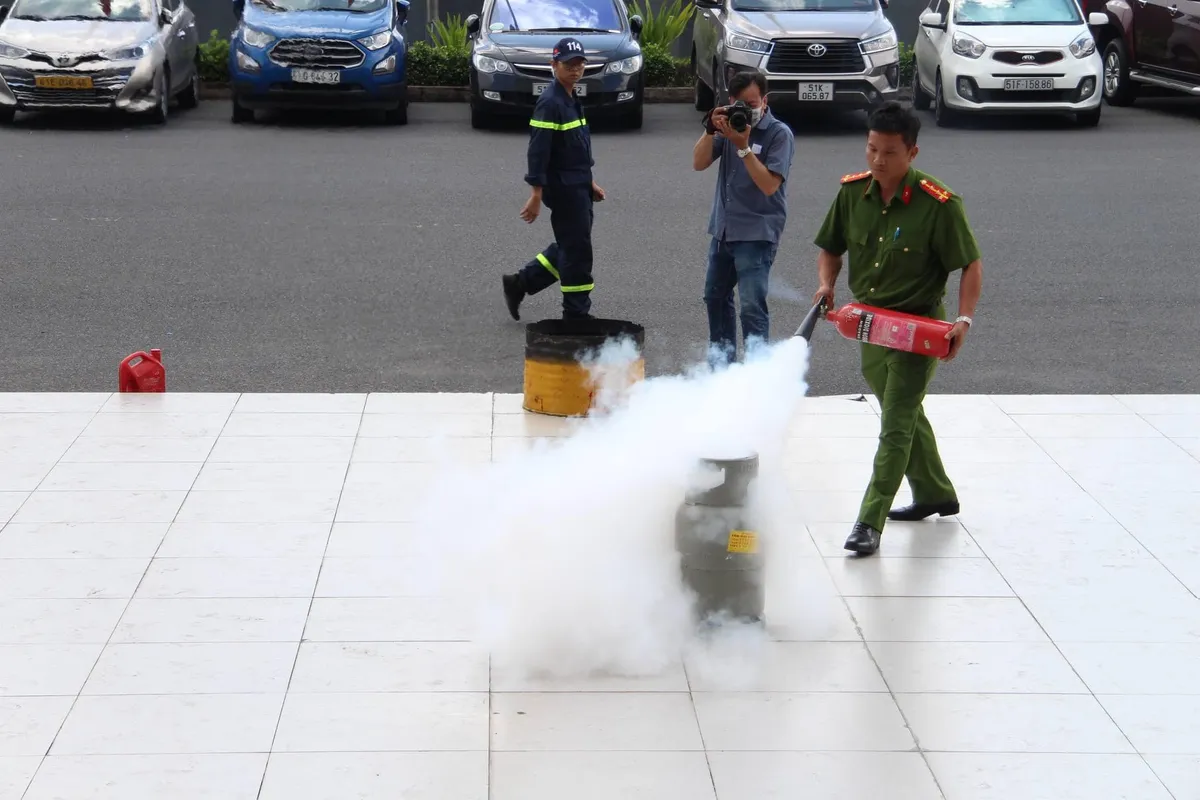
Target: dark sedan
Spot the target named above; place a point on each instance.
(511, 42)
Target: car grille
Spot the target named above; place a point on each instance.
(107, 86)
(317, 53)
(545, 72)
(1050, 96)
(1041, 57)
(798, 57)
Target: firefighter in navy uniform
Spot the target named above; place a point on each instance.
(560, 175)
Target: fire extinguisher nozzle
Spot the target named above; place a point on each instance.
(810, 321)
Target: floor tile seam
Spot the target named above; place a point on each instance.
(128, 601)
(597, 693)
(1100, 502)
(312, 598)
(883, 678)
(1057, 646)
(57, 461)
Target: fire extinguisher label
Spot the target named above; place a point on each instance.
(742, 542)
(897, 335)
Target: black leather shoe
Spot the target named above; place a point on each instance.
(916, 511)
(513, 295)
(863, 540)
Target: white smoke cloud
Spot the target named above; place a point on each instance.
(566, 552)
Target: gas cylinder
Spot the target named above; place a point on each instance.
(721, 557)
(142, 372)
(892, 329)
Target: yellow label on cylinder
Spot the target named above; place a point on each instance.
(743, 542)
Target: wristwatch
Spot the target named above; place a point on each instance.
(966, 319)
(743, 153)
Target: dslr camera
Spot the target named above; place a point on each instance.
(739, 115)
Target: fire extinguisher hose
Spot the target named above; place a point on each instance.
(809, 324)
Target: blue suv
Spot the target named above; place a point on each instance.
(319, 54)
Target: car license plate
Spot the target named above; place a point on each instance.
(816, 92)
(324, 76)
(580, 89)
(1028, 84)
(62, 82)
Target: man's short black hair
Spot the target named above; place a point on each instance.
(891, 117)
(741, 81)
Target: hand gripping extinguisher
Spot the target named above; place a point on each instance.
(142, 372)
(895, 330)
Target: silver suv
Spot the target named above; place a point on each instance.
(815, 53)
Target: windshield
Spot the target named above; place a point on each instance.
(119, 10)
(804, 5)
(1017, 12)
(554, 16)
(361, 6)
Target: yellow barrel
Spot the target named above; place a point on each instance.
(557, 379)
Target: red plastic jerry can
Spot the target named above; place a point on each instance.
(142, 372)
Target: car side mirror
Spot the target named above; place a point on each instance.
(635, 25)
(1097, 19)
(239, 8)
(472, 26)
(402, 11)
(932, 19)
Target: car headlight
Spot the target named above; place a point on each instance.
(740, 41)
(9, 51)
(629, 66)
(878, 44)
(256, 38)
(377, 41)
(1083, 46)
(127, 53)
(968, 46)
(487, 64)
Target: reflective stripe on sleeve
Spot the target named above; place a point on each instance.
(557, 126)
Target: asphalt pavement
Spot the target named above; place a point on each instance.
(326, 254)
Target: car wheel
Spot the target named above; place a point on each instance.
(943, 115)
(1118, 89)
(1088, 119)
(921, 100)
(633, 119)
(240, 113)
(398, 115)
(190, 97)
(480, 119)
(161, 111)
(702, 95)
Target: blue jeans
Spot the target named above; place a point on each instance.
(747, 266)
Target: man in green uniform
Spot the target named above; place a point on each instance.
(904, 233)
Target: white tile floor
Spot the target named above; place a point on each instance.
(199, 599)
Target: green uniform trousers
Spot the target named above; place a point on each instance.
(907, 447)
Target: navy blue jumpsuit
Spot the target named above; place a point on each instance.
(560, 161)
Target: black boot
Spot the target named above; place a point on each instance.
(916, 511)
(514, 293)
(863, 539)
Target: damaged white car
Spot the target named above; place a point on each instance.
(132, 56)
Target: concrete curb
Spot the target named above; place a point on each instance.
(461, 94)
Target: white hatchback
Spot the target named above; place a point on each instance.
(1008, 56)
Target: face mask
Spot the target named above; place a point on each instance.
(756, 115)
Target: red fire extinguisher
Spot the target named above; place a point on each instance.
(142, 372)
(895, 330)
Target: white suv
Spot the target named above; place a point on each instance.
(1006, 56)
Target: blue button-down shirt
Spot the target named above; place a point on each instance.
(740, 210)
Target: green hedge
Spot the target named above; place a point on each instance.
(439, 65)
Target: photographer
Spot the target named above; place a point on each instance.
(748, 213)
